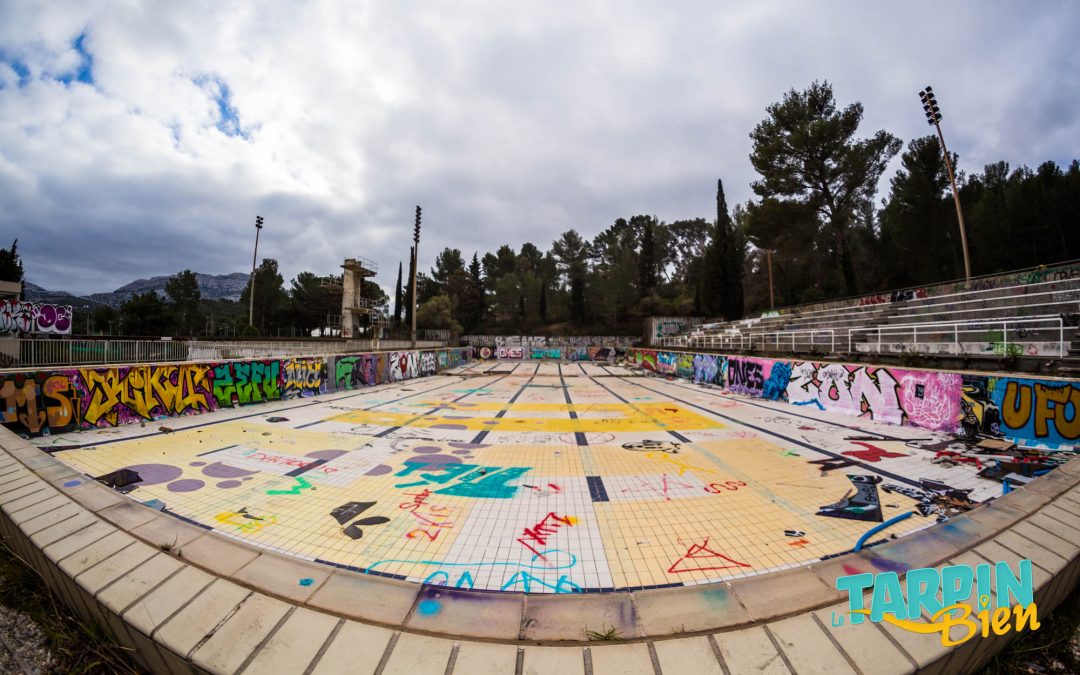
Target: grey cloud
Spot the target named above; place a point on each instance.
(507, 125)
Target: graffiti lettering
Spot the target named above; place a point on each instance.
(28, 317)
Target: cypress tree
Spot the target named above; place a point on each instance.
(397, 298)
(647, 262)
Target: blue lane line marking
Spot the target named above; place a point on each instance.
(596, 489)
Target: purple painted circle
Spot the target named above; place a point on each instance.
(153, 474)
(462, 452)
(246, 478)
(449, 426)
(426, 449)
(186, 485)
(435, 459)
(327, 454)
(73, 483)
(378, 470)
(468, 446)
(197, 464)
(219, 470)
(456, 417)
(227, 484)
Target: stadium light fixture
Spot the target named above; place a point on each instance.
(254, 257)
(416, 262)
(933, 117)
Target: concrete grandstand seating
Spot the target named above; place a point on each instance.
(1018, 320)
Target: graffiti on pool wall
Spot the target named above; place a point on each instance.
(302, 377)
(402, 366)
(36, 401)
(745, 376)
(428, 364)
(931, 400)
(708, 369)
(53, 401)
(353, 372)
(245, 382)
(1045, 411)
(861, 391)
(34, 317)
(665, 363)
(136, 393)
(980, 416)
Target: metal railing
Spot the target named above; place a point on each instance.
(746, 341)
(957, 328)
(96, 352)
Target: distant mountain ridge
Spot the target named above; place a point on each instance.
(212, 287)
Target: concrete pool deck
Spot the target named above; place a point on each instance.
(674, 502)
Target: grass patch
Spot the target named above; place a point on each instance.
(610, 634)
(77, 647)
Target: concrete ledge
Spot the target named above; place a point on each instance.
(187, 600)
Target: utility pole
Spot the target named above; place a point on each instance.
(254, 257)
(933, 116)
(416, 262)
(768, 258)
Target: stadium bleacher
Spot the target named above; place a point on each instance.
(1033, 314)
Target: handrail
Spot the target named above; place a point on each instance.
(947, 282)
(1004, 297)
(921, 301)
(746, 340)
(893, 329)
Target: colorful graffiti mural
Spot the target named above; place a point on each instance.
(1043, 412)
(17, 316)
(45, 402)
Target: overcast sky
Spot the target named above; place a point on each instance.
(142, 138)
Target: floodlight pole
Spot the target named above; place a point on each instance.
(933, 116)
(254, 257)
(416, 263)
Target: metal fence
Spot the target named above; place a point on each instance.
(91, 352)
(1006, 337)
(810, 340)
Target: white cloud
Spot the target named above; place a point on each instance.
(507, 124)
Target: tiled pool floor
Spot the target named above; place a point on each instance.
(532, 476)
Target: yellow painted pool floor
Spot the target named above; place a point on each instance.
(537, 477)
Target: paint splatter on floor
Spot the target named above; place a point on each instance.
(536, 478)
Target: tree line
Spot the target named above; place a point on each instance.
(814, 218)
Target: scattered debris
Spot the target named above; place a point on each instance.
(858, 504)
(122, 480)
(166, 430)
(277, 419)
(794, 533)
(935, 497)
(155, 504)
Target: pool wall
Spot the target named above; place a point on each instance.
(1041, 412)
(57, 400)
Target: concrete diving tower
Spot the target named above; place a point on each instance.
(353, 305)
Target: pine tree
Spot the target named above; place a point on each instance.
(11, 268)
